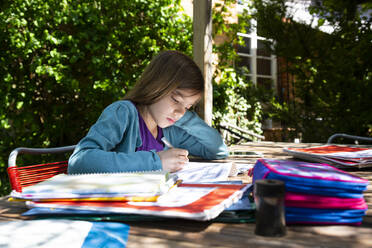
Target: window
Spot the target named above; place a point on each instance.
(261, 65)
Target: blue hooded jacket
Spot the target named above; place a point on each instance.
(110, 145)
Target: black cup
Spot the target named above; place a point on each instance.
(269, 199)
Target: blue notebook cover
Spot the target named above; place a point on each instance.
(62, 233)
(327, 216)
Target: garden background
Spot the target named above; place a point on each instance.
(62, 62)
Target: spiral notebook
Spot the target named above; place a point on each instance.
(110, 185)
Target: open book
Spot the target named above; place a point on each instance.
(204, 172)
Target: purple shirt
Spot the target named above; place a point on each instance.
(148, 141)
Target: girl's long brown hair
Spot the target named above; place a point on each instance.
(168, 71)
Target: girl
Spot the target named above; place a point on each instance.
(127, 136)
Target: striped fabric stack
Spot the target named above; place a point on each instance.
(316, 193)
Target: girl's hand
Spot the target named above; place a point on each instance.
(173, 159)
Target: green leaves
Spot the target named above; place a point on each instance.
(331, 71)
(67, 60)
(62, 62)
(235, 99)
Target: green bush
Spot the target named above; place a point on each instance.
(62, 62)
(235, 99)
(332, 72)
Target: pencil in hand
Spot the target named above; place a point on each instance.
(166, 142)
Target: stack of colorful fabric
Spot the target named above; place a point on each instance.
(316, 193)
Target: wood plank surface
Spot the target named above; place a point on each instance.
(186, 233)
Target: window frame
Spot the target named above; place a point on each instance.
(254, 38)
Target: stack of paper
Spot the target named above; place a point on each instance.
(107, 186)
(189, 201)
(199, 197)
(342, 156)
(242, 211)
(316, 193)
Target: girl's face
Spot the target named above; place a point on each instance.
(172, 107)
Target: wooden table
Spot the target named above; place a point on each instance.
(184, 233)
